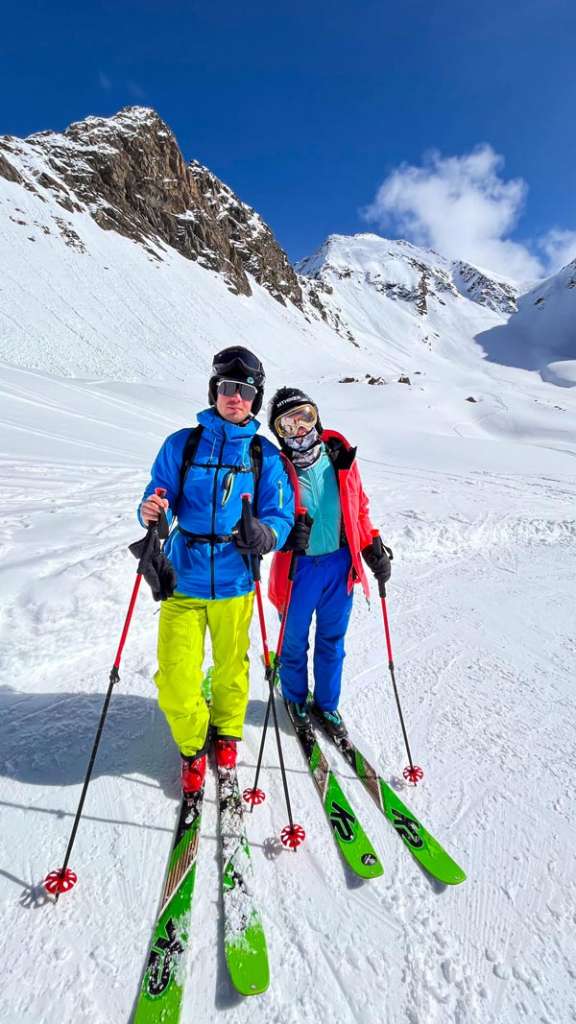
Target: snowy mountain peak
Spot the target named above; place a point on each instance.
(406, 272)
(128, 173)
(417, 279)
(362, 252)
(128, 121)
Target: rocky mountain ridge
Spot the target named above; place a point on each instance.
(129, 174)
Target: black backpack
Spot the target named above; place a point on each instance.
(190, 449)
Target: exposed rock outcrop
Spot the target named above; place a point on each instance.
(128, 172)
(497, 295)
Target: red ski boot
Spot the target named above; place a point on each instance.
(193, 773)
(226, 753)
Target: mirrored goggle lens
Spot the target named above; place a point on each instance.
(290, 423)
(228, 388)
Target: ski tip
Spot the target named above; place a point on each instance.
(437, 863)
(247, 961)
(369, 865)
(375, 872)
(456, 877)
(255, 988)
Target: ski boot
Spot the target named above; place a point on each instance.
(193, 773)
(226, 750)
(331, 721)
(299, 715)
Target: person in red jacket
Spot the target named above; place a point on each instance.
(332, 541)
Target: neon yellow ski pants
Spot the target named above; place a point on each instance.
(181, 634)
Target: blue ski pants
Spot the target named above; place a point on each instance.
(321, 587)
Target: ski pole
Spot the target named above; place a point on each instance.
(63, 879)
(292, 834)
(412, 773)
(254, 795)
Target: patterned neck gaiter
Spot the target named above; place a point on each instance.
(306, 450)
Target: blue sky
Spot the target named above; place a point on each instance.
(307, 113)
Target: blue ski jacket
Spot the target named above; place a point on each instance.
(211, 505)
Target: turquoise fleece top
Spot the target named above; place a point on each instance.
(319, 495)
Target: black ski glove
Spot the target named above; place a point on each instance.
(378, 557)
(154, 566)
(253, 537)
(299, 536)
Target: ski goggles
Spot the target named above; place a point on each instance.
(250, 368)
(228, 388)
(289, 423)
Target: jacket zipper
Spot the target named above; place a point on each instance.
(214, 497)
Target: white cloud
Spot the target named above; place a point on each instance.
(135, 90)
(559, 248)
(461, 206)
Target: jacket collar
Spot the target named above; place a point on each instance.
(222, 429)
(339, 450)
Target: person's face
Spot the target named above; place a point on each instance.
(233, 408)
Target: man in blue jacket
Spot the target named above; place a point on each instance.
(210, 552)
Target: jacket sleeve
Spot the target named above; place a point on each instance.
(276, 497)
(165, 471)
(365, 525)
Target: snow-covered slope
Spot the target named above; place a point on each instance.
(547, 316)
(395, 290)
(408, 297)
(105, 349)
(481, 606)
(104, 306)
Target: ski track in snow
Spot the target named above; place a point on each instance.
(481, 609)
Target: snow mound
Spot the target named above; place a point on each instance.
(562, 373)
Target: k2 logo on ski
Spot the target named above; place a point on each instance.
(408, 829)
(162, 960)
(342, 822)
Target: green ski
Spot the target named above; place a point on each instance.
(160, 996)
(352, 841)
(244, 938)
(421, 844)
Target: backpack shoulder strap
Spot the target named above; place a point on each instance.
(256, 462)
(188, 456)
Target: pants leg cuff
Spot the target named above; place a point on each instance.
(196, 753)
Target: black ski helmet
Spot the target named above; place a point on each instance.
(283, 401)
(237, 363)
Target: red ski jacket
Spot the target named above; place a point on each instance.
(355, 517)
